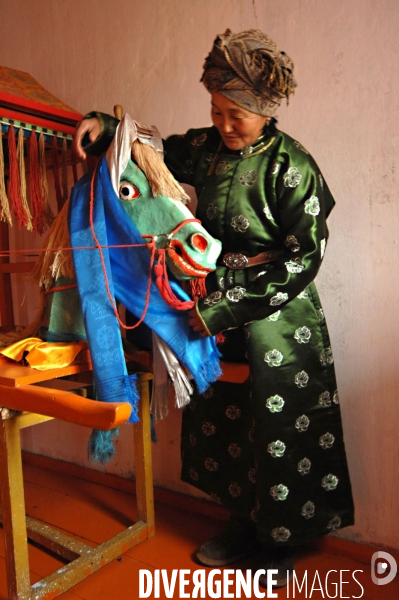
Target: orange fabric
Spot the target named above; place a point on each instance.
(44, 355)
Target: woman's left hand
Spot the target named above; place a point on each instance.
(196, 322)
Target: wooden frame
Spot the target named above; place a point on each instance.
(17, 391)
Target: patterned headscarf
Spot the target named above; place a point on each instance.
(250, 70)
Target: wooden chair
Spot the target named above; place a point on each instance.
(26, 404)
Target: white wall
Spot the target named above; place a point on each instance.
(148, 56)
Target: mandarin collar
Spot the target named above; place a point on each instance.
(260, 145)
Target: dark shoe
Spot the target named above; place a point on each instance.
(237, 542)
(283, 561)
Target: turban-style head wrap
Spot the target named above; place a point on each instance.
(250, 70)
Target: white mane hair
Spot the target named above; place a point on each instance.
(144, 143)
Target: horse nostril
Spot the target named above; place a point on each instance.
(199, 242)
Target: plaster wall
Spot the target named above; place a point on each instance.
(148, 56)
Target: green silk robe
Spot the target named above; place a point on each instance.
(271, 448)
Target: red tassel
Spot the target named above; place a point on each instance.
(48, 213)
(162, 283)
(64, 170)
(5, 214)
(14, 183)
(197, 289)
(36, 196)
(220, 338)
(58, 193)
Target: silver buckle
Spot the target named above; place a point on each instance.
(234, 260)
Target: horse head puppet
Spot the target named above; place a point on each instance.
(127, 226)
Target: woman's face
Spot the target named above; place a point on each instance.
(237, 126)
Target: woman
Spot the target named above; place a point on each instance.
(271, 449)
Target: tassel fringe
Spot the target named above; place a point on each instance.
(58, 193)
(48, 213)
(5, 214)
(22, 179)
(100, 447)
(197, 289)
(37, 201)
(64, 170)
(210, 371)
(14, 183)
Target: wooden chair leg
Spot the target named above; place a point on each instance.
(142, 453)
(13, 511)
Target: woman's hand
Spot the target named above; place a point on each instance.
(92, 127)
(196, 322)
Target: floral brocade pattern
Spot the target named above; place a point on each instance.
(279, 492)
(274, 358)
(236, 294)
(212, 211)
(312, 206)
(270, 448)
(279, 299)
(199, 140)
(302, 335)
(321, 445)
(300, 147)
(292, 178)
(275, 403)
(213, 298)
(240, 223)
(268, 214)
(294, 266)
(248, 178)
(222, 167)
(275, 316)
(276, 449)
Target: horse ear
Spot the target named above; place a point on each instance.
(159, 177)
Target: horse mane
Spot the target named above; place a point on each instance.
(159, 177)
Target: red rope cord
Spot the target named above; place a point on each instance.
(162, 280)
(152, 247)
(60, 288)
(29, 251)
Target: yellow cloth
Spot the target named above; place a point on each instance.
(44, 355)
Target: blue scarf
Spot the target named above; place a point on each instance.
(127, 271)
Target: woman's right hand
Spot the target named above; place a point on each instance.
(92, 127)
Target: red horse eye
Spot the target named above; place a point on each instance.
(128, 191)
(199, 242)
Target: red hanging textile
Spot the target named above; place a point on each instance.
(58, 193)
(14, 183)
(64, 170)
(22, 177)
(36, 196)
(5, 214)
(48, 213)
